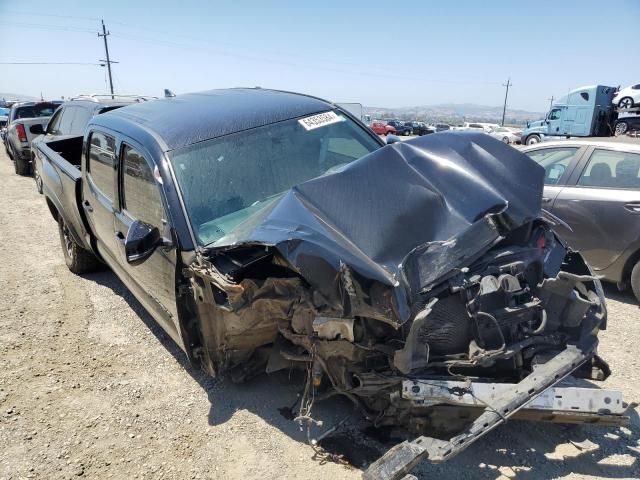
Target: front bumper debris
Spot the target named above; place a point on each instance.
(505, 403)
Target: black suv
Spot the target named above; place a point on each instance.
(420, 128)
(72, 118)
(402, 128)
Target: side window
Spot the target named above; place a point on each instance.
(554, 160)
(140, 190)
(611, 169)
(67, 119)
(101, 162)
(54, 124)
(80, 120)
(554, 114)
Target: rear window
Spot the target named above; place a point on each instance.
(35, 111)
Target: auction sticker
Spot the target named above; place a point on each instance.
(320, 120)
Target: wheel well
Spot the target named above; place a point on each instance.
(52, 209)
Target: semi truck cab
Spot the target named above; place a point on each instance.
(584, 112)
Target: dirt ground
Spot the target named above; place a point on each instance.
(90, 386)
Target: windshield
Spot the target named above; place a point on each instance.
(226, 180)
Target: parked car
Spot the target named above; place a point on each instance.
(22, 117)
(268, 230)
(595, 188)
(419, 128)
(469, 126)
(70, 120)
(380, 127)
(504, 134)
(442, 127)
(628, 97)
(402, 128)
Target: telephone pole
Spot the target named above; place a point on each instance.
(108, 61)
(551, 102)
(504, 109)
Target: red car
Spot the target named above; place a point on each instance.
(381, 128)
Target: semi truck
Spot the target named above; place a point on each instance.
(583, 112)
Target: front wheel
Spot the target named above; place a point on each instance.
(78, 259)
(505, 140)
(625, 102)
(532, 139)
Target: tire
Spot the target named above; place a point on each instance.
(78, 259)
(635, 280)
(506, 140)
(532, 139)
(21, 166)
(625, 102)
(621, 128)
(8, 150)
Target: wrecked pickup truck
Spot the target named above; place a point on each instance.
(267, 230)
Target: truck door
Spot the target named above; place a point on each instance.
(602, 206)
(141, 198)
(555, 121)
(99, 193)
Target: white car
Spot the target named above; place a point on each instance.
(504, 134)
(472, 126)
(627, 97)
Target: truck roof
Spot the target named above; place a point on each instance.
(194, 117)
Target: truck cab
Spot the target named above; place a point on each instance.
(584, 112)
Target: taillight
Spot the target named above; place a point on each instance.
(22, 135)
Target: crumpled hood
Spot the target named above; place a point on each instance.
(370, 237)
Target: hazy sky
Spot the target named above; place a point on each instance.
(378, 53)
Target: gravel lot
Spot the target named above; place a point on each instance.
(90, 386)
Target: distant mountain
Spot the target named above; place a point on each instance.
(454, 113)
(16, 96)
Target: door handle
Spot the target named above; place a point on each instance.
(120, 237)
(633, 207)
(87, 206)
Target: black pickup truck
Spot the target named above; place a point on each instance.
(267, 230)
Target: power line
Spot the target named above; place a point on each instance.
(506, 94)
(44, 26)
(32, 14)
(52, 63)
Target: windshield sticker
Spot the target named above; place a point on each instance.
(320, 120)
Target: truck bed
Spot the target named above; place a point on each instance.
(62, 184)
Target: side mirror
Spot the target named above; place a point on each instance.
(36, 129)
(142, 240)
(391, 138)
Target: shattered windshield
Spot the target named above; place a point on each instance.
(226, 180)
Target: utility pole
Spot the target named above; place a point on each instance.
(104, 35)
(506, 94)
(551, 102)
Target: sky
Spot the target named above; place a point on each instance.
(378, 53)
